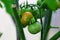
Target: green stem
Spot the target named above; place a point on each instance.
(40, 11)
(56, 36)
(54, 27)
(18, 35)
(26, 3)
(15, 2)
(32, 5)
(46, 26)
(18, 23)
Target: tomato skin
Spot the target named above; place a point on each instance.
(26, 17)
(34, 28)
(58, 3)
(28, 14)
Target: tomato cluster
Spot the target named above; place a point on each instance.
(29, 15)
(28, 18)
(33, 27)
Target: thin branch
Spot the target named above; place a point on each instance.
(56, 36)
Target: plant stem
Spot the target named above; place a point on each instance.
(17, 31)
(18, 35)
(46, 25)
(18, 23)
(40, 11)
(55, 27)
(56, 36)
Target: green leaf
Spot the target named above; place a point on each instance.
(51, 4)
(8, 6)
(12, 1)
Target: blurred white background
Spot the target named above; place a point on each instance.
(7, 26)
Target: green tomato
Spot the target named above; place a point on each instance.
(28, 9)
(34, 28)
(58, 3)
(23, 10)
(36, 13)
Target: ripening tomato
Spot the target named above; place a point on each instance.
(26, 17)
(34, 28)
(58, 3)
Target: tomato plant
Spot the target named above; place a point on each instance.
(28, 15)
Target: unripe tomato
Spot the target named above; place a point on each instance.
(34, 28)
(36, 13)
(26, 17)
(23, 10)
(58, 3)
